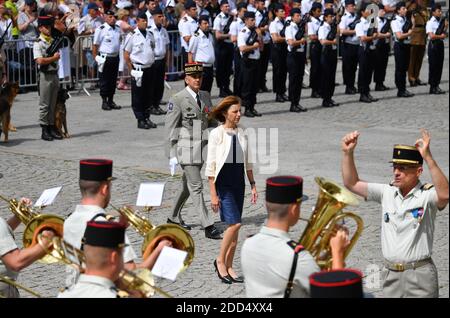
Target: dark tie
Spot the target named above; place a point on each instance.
(199, 103)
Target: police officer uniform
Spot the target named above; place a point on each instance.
(265, 52)
(162, 42)
(287, 274)
(187, 27)
(315, 52)
(296, 60)
(224, 53)
(236, 27)
(328, 63)
(140, 44)
(401, 53)
(279, 58)
(201, 46)
(407, 228)
(249, 67)
(108, 235)
(107, 38)
(349, 51)
(75, 224)
(48, 83)
(366, 57)
(435, 56)
(382, 50)
(7, 244)
(186, 119)
(418, 42)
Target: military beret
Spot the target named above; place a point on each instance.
(157, 10)
(328, 12)
(96, 169)
(343, 283)
(316, 5)
(284, 189)
(189, 4)
(249, 15)
(193, 68)
(408, 155)
(104, 234)
(295, 10)
(348, 2)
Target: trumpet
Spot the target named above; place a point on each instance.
(35, 223)
(17, 285)
(140, 280)
(326, 215)
(180, 238)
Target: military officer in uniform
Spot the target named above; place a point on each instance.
(435, 49)
(103, 244)
(139, 53)
(224, 49)
(262, 15)
(296, 60)
(418, 41)
(186, 120)
(105, 49)
(409, 210)
(48, 79)
(13, 259)
(201, 50)
(236, 27)
(401, 49)
(250, 55)
(187, 27)
(315, 49)
(95, 187)
(272, 263)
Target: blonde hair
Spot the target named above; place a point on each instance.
(121, 13)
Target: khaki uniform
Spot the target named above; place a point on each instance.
(418, 42)
(48, 83)
(90, 286)
(266, 263)
(185, 124)
(7, 245)
(407, 229)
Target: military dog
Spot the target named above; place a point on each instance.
(61, 112)
(8, 91)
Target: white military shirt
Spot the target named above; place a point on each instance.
(251, 8)
(361, 30)
(150, 19)
(141, 49)
(407, 223)
(291, 31)
(348, 18)
(220, 22)
(90, 286)
(108, 39)
(202, 48)
(7, 244)
(242, 41)
(236, 27)
(276, 26)
(324, 29)
(313, 26)
(396, 26)
(161, 41)
(74, 228)
(187, 27)
(266, 264)
(258, 17)
(432, 26)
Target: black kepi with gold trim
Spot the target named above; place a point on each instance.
(344, 283)
(104, 234)
(193, 68)
(406, 155)
(284, 189)
(96, 169)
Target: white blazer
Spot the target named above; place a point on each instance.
(219, 144)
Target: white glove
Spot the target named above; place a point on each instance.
(100, 59)
(173, 165)
(137, 74)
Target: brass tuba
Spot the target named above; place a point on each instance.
(35, 223)
(180, 238)
(327, 213)
(140, 280)
(11, 282)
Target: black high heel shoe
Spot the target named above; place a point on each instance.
(239, 279)
(225, 279)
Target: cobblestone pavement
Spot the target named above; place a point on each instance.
(308, 145)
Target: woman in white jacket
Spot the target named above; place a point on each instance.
(229, 160)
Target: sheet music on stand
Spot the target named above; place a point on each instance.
(150, 194)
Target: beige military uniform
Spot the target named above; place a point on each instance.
(185, 126)
(407, 229)
(418, 42)
(7, 245)
(90, 286)
(266, 264)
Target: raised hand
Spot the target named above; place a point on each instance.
(423, 144)
(350, 141)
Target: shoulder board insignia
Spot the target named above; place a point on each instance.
(102, 27)
(427, 186)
